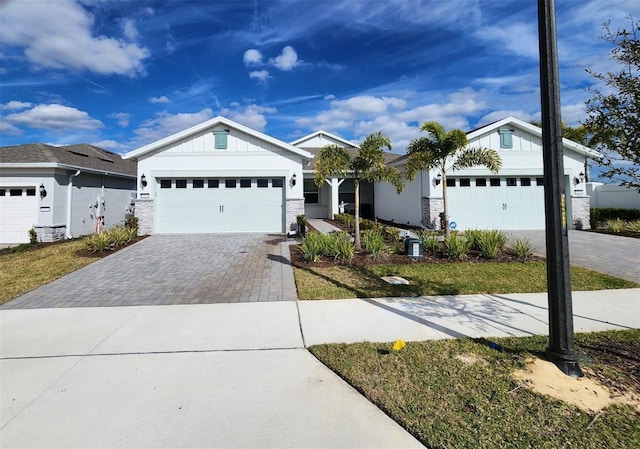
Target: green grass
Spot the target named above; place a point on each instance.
(441, 279)
(446, 402)
(24, 269)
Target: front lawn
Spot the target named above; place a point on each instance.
(462, 394)
(456, 278)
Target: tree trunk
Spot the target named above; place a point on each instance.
(447, 231)
(356, 242)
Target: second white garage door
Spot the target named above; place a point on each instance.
(220, 205)
(18, 213)
(496, 203)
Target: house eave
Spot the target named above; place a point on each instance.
(54, 165)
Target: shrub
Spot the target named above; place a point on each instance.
(131, 222)
(456, 246)
(600, 215)
(473, 236)
(345, 219)
(522, 248)
(340, 246)
(374, 244)
(109, 239)
(301, 220)
(617, 225)
(313, 247)
(393, 238)
(634, 226)
(431, 244)
(98, 243)
(491, 242)
(33, 236)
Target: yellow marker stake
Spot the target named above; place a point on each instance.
(398, 345)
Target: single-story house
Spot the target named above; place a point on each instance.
(336, 195)
(511, 199)
(219, 176)
(62, 192)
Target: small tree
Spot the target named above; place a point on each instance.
(367, 164)
(444, 151)
(614, 111)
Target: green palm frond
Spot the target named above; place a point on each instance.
(478, 157)
(333, 160)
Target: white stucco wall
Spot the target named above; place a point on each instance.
(607, 195)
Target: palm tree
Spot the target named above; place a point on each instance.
(443, 151)
(367, 164)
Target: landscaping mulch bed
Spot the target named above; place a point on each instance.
(100, 254)
(624, 356)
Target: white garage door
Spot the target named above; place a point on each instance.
(18, 213)
(220, 205)
(496, 203)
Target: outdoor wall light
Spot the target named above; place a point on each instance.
(293, 179)
(578, 179)
(43, 191)
(438, 179)
(143, 180)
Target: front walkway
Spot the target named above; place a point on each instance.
(176, 269)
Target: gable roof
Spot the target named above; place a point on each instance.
(79, 156)
(323, 135)
(217, 121)
(531, 129)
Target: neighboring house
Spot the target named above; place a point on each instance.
(62, 192)
(337, 194)
(512, 199)
(219, 176)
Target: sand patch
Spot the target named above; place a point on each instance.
(587, 394)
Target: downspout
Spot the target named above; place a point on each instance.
(69, 195)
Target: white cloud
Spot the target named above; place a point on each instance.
(122, 118)
(252, 56)
(67, 40)
(494, 116)
(520, 38)
(16, 105)
(129, 29)
(260, 75)
(111, 145)
(166, 124)
(159, 100)
(252, 115)
(329, 97)
(54, 117)
(9, 130)
(287, 60)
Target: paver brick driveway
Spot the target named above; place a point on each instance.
(176, 269)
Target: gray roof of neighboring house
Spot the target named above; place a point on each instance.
(79, 156)
(389, 157)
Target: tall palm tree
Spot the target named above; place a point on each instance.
(445, 151)
(367, 164)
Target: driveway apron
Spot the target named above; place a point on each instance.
(611, 254)
(176, 269)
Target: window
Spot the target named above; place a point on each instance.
(213, 183)
(481, 182)
(451, 182)
(165, 183)
(198, 183)
(245, 183)
(3, 192)
(230, 183)
(221, 139)
(506, 138)
(181, 183)
(539, 181)
(262, 183)
(465, 182)
(494, 182)
(15, 192)
(511, 182)
(277, 182)
(525, 182)
(310, 192)
(31, 192)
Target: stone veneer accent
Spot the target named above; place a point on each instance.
(144, 213)
(295, 207)
(581, 212)
(431, 210)
(51, 233)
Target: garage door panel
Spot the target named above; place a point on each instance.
(223, 209)
(18, 213)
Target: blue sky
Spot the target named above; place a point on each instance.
(121, 74)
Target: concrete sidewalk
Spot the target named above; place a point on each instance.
(235, 375)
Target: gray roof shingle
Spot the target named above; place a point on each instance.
(80, 155)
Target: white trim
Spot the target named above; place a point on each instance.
(219, 120)
(55, 165)
(324, 133)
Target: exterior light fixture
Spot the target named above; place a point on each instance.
(578, 179)
(143, 180)
(438, 179)
(43, 191)
(293, 179)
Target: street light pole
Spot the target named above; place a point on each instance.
(561, 340)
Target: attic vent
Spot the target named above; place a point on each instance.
(78, 154)
(106, 160)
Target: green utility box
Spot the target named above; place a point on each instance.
(413, 247)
